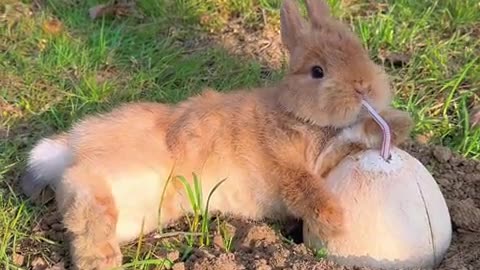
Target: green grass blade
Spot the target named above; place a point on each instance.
(198, 192)
(205, 221)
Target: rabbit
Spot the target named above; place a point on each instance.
(115, 173)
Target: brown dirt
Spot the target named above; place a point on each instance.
(459, 181)
(261, 43)
(257, 245)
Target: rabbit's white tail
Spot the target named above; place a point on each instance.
(46, 163)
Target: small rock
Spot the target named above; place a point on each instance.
(444, 182)
(424, 138)
(425, 160)
(262, 265)
(279, 257)
(179, 266)
(442, 154)
(258, 235)
(58, 266)
(218, 241)
(454, 161)
(465, 215)
(39, 264)
(300, 249)
(173, 256)
(53, 27)
(18, 259)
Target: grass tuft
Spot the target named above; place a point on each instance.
(201, 217)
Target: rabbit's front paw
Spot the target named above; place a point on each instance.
(329, 219)
(105, 256)
(109, 257)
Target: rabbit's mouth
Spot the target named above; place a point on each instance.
(366, 105)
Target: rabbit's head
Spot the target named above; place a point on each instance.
(329, 71)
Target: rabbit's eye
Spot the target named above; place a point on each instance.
(317, 72)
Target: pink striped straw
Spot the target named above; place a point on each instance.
(385, 150)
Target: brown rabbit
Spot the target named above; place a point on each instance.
(110, 171)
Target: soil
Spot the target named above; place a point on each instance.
(257, 245)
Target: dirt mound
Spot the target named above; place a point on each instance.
(257, 245)
(459, 180)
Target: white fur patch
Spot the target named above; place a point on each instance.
(137, 195)
(355, 134)
(48, 160)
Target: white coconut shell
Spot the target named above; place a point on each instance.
(395, 214)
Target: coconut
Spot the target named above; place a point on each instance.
(395, 216)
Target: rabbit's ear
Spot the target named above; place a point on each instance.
(292, 24)
(318, 12)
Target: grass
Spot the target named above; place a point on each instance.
(201, 214)
(321, 253)
(227, 236)
(49, 78)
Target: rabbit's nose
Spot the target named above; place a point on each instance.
(362, 90)
(361, 87)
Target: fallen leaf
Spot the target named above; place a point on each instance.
(100, 10)
(112, 9)
(53, 26)
(424, 138)
(395, 59)
(475, 117)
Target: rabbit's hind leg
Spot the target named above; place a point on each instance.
(89, 216)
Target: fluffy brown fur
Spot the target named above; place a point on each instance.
(109, 171)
